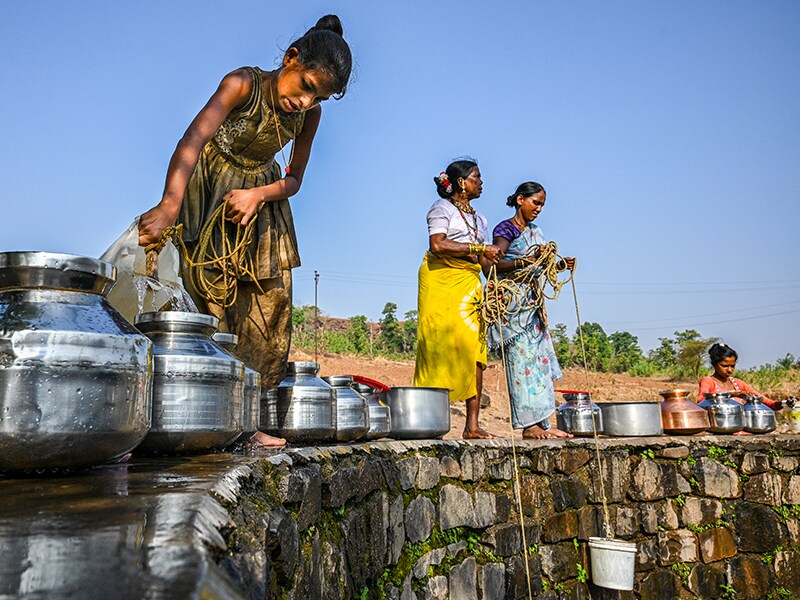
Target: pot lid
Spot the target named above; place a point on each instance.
(226, 340)
(57, 271)
(177, 321)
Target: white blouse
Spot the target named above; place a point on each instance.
(444, 217)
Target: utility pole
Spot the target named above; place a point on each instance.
(316, 316)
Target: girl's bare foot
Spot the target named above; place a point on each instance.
(476, 434)
(262, 440)
(537, 433)
(742, 433)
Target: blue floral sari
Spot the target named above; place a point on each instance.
(531, 364)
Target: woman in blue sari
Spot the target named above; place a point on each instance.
(531, 364)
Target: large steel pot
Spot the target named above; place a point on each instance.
(579, 415)
(724, 413)
(251, 395)
(302, 408)
(352, 415)
(680, 415)
(380, 421)
(418, 412)
(631, 418)
(74, 374)
(758, 418)
(197, 386)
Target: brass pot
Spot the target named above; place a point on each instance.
(680, 415)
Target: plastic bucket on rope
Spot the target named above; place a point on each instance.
(613, 563)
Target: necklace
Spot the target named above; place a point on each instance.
(278, 131)
(464, 210)
(521, 228)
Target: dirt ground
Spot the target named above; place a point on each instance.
(495, 417)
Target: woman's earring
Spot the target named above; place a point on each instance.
(461, 185)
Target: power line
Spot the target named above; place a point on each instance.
(685, 326)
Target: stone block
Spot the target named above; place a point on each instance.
(764, 488)
(660, 584)
(569, 460)
(283, 544)
(464, 580)
(716, 543)
(336, 580)
(559, 560)
(455, 549)
(561, 526)
(340, 487)
(473, 465)
(428, 473)
(424, 562)
(647, 554)
(787, 571)
(616, 477)
(791, 492)
(516, 582)
(749, 577)
(408, 591)
(590, 522)
(536, 496)
(455, 507)
(678, 546)
(420, 515)
(649, 517)
(449, 467)
(542, 461)
(436, 588)
(364, 532)
(396, 532)
(717, 480)
(652, 480)
(485, 510)
(504, 539)
(628, 521)
(568, 493)
(787, 464)
(758, 528)
(755, 462)
(503, 507)
(674, 452)
(668, 515)
(407, 470)
(502, 470)
(706, 581)
(492, 581)
(701, 511)
(793, 525)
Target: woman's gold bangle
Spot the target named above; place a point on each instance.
(477, 249)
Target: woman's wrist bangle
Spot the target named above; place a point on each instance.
(518, 263)
(477, 249)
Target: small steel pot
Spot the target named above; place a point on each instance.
(631, 419)
(418, 412)
(579, 415)
(380, 421)
(352, 415)
(251, 397)
(724, 413)
(758, 418)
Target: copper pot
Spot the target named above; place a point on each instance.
(680, 415)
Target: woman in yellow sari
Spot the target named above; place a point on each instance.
(451, 337)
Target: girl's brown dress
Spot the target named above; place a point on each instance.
(241, 155)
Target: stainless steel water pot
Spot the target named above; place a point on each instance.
(631, 418)
(418, 412)
(352, 415)
(380, 421)
(725, 414)
(75, 376)
(758, 418)
(251, 396)
(575, 415)
(197, 386)
(302, 408)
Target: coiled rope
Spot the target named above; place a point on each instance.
(214, 269)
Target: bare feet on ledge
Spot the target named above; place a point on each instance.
(537, 433)
(476, 434)
(262, 440)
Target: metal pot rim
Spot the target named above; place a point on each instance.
(174, 317)
(32, 269)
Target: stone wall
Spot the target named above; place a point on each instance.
(713, 517)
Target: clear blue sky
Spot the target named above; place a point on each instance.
(667, 135)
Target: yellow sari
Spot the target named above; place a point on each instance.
(450, 336)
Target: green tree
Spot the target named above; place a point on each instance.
(558, 333)
(409, 331)
(390, 337)
(598, 348)
(626, 350)
(664, 356)
(691, 351)
(358, 334)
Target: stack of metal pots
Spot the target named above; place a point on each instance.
(302, 408)
(74, 375)
(352, 415)
(724, 413)
(251, 398)
(380, 421)
(579, 415)
(197, 386)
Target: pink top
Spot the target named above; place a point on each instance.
(710, 385)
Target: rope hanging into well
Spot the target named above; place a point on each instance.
(214, 269)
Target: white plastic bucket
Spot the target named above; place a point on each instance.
(613, 563)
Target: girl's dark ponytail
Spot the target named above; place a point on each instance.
(323, 47)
